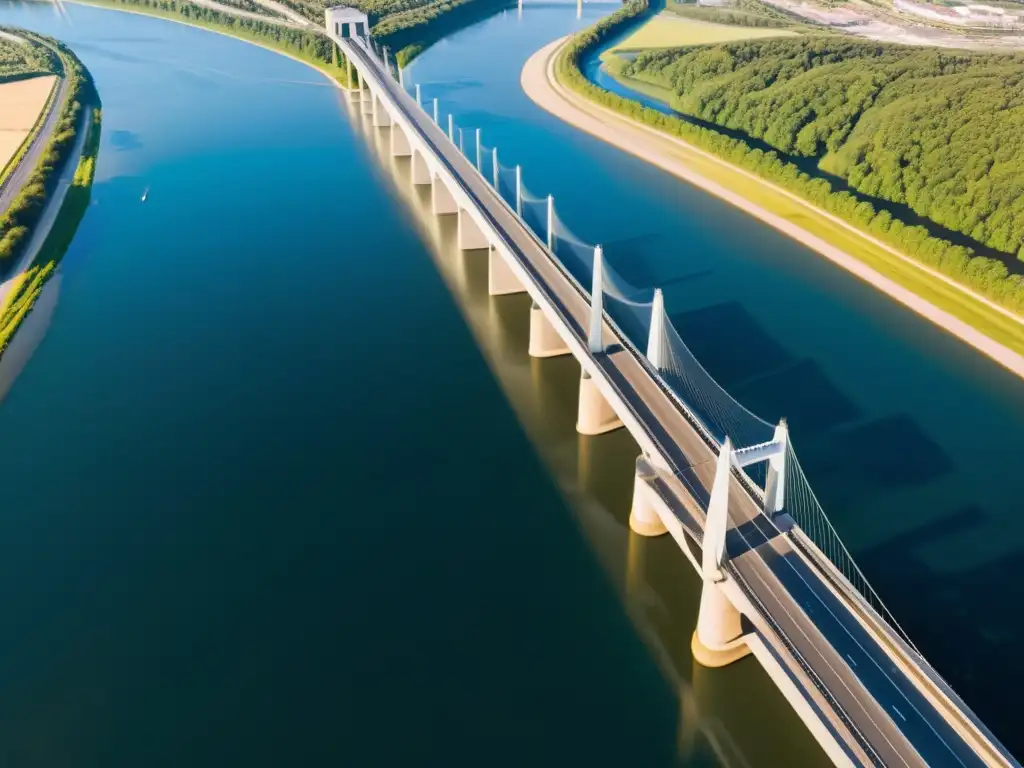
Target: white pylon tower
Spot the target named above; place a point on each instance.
(713, 546)
(551, 223)
(595, 337)
(656, 339)
(519, 191)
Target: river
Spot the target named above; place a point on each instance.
(281, 483)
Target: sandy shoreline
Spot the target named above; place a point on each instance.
(652, 146)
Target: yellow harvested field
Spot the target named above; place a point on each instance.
(666, 30)
(21, 102)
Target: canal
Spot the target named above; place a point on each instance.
(282, 484)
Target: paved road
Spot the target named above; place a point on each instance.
(14, 183)
(857, 682)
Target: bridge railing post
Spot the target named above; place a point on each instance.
(437, 118)
(519, 191)
(401, 77)
(479, 153)
(494, 158)
(419, 99)
(462, 148)
(595, 337)
(451, 127)
(551, 223)
(656, 339)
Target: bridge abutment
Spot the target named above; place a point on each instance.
(718, 640)
(400, 146)
(544, 339)
(501, 280)
(470, 235)
(595, 415)
(643, 517)
(441, 200)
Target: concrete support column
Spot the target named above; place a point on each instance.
(544, 339)
(420, 170)
(368, 99)
(441, 200)
(643, 517)
(595, 414)
(470, 235)
(400, 146)
(381, 118)
(718, 640)
(501, 280)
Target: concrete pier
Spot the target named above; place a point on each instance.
(441, 200)
(718, 640)
(501, 280)
(643, 517)
(470, 236)
(381, 118)
(544, 339)
(400, 146)
(420, 170)
(595, 414)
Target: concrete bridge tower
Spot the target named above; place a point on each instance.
(346, 22)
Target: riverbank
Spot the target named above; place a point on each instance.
(53, 232)
(897, 276)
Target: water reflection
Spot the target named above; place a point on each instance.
(29, 335)
(728, 717)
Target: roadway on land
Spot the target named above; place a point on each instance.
(16, 181)
(861, 682)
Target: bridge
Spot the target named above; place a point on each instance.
(725, 485)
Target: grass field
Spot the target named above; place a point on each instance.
(666, 30)
(21, 103)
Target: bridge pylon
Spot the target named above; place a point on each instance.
(718, 639)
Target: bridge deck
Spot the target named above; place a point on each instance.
(846, 676)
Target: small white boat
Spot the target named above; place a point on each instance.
(145, 194)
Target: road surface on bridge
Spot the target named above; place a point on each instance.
(856, 680)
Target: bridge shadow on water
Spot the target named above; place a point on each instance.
(962, 617)
(659, 589)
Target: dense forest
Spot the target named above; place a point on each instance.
(17, 221)
(18, 60)
(938, 131)
(410, 31)
(728, 64)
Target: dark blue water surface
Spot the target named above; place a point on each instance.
(269, 500)
(282, 486)
(910, 438)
